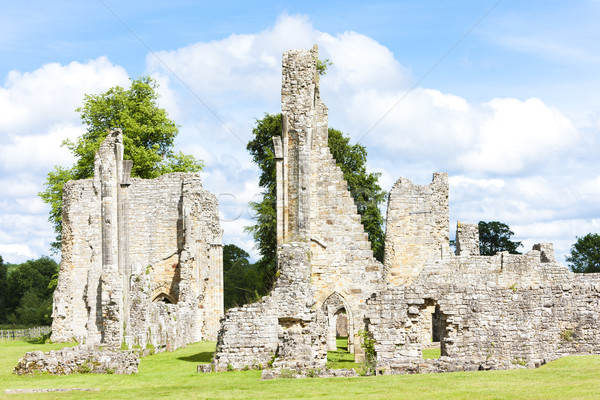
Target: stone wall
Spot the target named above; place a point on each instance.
(504, 311)
(313, 198)
(417, 227)
(283, 330)
(80, 359)
(141, 259)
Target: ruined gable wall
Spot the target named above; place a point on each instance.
(127, 242)
(497, 312)
(321, 209)
(417, 227)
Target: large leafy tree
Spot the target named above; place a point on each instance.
(148, 136)
(363, 186)
(29, 291)
(242, 281)
(585, 254)
(494, 237)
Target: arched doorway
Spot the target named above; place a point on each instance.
(339, 322)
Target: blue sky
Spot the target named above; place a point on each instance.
(502, 95)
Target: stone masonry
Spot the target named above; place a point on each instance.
(315, 212)
(503, 311)
(141, 259)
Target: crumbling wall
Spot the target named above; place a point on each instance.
(141, 260)
(504, 311)
(283, 330)
(416, 229)
(314, 203)
(467, 239)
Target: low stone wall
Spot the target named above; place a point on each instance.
(283, 330)
(80, 359)
(500, 312)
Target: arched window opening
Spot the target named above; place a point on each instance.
(164, 298)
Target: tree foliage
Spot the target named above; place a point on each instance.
(494, 237)
(148, 136)
(585, 254)
(29, 290)
(3, 273)
(363, 186)
(242, 281)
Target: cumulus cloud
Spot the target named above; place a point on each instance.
(31, 101)
(38, 114)
(498, 153)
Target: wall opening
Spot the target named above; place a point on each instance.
(433, 330)
(340, 332)
(164, 298)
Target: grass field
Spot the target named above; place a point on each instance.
(173, 376)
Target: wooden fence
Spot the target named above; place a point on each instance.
(29, 333)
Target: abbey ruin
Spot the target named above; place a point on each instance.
(487, 312)
(142, 264)
(141, 259)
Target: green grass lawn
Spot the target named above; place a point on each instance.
(341, 358)
(432, 353)
(173, 376)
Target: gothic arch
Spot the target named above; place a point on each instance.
(332, 306)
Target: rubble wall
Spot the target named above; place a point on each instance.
(417, 227)
(504, 311)
(283, 330)
(141, 260)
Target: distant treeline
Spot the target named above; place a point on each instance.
(26, 291)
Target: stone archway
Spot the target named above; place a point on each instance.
(334, 306)
(165, 298)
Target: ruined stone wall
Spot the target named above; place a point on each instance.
(504, 311)
(283, 330)
(467, 239)
(417, 228)
(320, 208)
(81, 246)
(141, 260)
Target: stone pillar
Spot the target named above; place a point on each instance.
(278, 155)
(467, 239)
(108, 169)
(300, 120)
(331, 329)
(214, 302)
(547, 252)
(123, 218)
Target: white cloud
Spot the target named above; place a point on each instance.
(517, 135)
(499, 153)
(32, 101)
(246, 65)
(38, 113)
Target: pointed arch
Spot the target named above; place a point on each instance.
(332, 306)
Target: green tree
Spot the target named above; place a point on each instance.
(494, 237)
(33, 310)
(148, 136)
(363, 186)
(2, 290)
(33, 278)
(242, 281)
(585, 254)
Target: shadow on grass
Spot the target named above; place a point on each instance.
(204, 356)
